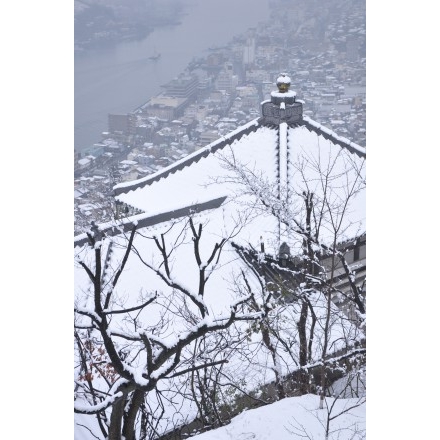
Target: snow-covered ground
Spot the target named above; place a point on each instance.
(296, 418)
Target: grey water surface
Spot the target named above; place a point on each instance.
(120, 78)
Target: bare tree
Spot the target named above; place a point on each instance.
(315, 217)
(122, 349)
(343, 402)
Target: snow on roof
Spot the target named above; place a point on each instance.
(216, 184)
(202, 175)
(143, 220)
(189, 159)
(289, 94)
(170, 189)
(128, 162)
(330, 134)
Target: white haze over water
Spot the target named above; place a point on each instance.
(122, 78)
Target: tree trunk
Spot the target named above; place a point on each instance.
(278, 379)
(303, 376)
(128, 429)
(326, 331)
(114, 432)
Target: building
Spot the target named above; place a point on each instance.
(249, 49)
(226, 79)
(287, 149)
(282, 121)
(184, 86)
(123, 123)
(165, 107)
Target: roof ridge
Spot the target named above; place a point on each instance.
(144, 220)
(325, 132)
(252, 126)
(125, 187)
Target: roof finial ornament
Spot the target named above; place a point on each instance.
(283, 106)
(283, 83)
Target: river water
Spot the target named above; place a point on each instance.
(122, 78)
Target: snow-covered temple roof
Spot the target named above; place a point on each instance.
(282, 108)
(280, 155)
(271, 148)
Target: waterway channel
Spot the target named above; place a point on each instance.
(121, 78)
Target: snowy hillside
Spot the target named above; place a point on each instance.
(295, 418)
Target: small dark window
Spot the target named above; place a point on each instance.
(356, 253)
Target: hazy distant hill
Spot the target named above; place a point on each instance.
(99, 22)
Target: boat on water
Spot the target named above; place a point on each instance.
(155, 56)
